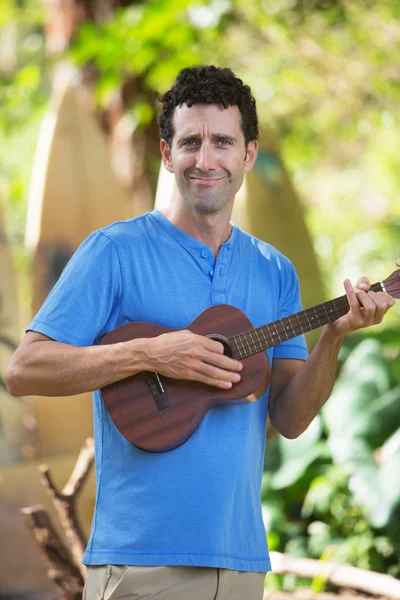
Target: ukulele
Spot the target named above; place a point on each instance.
(158, 413)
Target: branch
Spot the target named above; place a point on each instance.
(64, 501)
(342, 576)
(61, 569)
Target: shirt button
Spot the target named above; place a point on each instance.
(204, 253)
(211, 272)
(221, 271)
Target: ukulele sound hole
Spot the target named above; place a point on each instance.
(224, 341)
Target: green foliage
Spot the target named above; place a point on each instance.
(334, 492)
(153, 41)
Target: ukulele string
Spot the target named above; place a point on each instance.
(303, 325)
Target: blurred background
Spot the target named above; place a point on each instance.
(79, 148)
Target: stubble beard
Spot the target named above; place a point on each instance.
(209, 202)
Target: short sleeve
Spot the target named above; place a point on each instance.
(290, 303)
(85, 302)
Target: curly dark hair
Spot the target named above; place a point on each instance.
(209, 85)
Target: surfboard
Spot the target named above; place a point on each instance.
(166, 188)
(11, 409)
(73, 191)
(268, 207)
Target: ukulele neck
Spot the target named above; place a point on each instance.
(264, 337)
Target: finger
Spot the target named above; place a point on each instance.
(223, 385)
(218, 374)
(363, 284)
(379, 307)
(383, 302)
(356, 318)
(218, 377)
(351, 295)
(212, 345)
(223, 362)
(367, 307)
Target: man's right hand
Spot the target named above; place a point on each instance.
(187, 355)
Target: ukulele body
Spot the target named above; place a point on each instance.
(158, 413)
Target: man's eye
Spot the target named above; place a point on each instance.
(190, 143)
(225, 142)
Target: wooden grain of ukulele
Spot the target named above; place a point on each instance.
(158, 413)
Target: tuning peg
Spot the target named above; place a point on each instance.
(398, 262)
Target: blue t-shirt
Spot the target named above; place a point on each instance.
(198, 505)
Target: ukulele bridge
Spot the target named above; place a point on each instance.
(157, 390)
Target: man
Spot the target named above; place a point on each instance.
(185, 523)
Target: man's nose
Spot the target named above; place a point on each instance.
(205, 157)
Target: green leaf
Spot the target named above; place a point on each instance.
(297, 455)
(375, 484)
(380, 419)
(364, 377)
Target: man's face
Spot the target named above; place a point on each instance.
(208, 155)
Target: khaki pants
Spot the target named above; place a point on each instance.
(114, 582)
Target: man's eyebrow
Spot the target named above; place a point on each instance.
(197, 136)
(224, 136)
(189, 136)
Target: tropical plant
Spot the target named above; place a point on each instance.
(334, 492)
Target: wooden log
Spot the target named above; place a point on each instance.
(61, 569)
(341, 576)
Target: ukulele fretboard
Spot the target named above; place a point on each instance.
(264, 337)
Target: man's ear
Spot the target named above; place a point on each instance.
(251, 155)
(166, 155)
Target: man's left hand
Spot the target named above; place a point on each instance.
(366, 308)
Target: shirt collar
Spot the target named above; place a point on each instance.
(184, 238)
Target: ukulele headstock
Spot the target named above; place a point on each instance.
(392, 284)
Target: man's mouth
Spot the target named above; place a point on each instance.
(205, 181)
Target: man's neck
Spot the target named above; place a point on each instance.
(210, 229)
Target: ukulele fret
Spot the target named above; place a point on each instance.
(310, 327)
(276, 330)
(258, 339)
(254, 347)
(267, 337)
(339, 314)
(301, 327)
(243, 351)
(316, 314)
(246, 340)
(284, 330)
(328, 319)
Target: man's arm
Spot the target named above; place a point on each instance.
(42, 366)
(299, 389)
